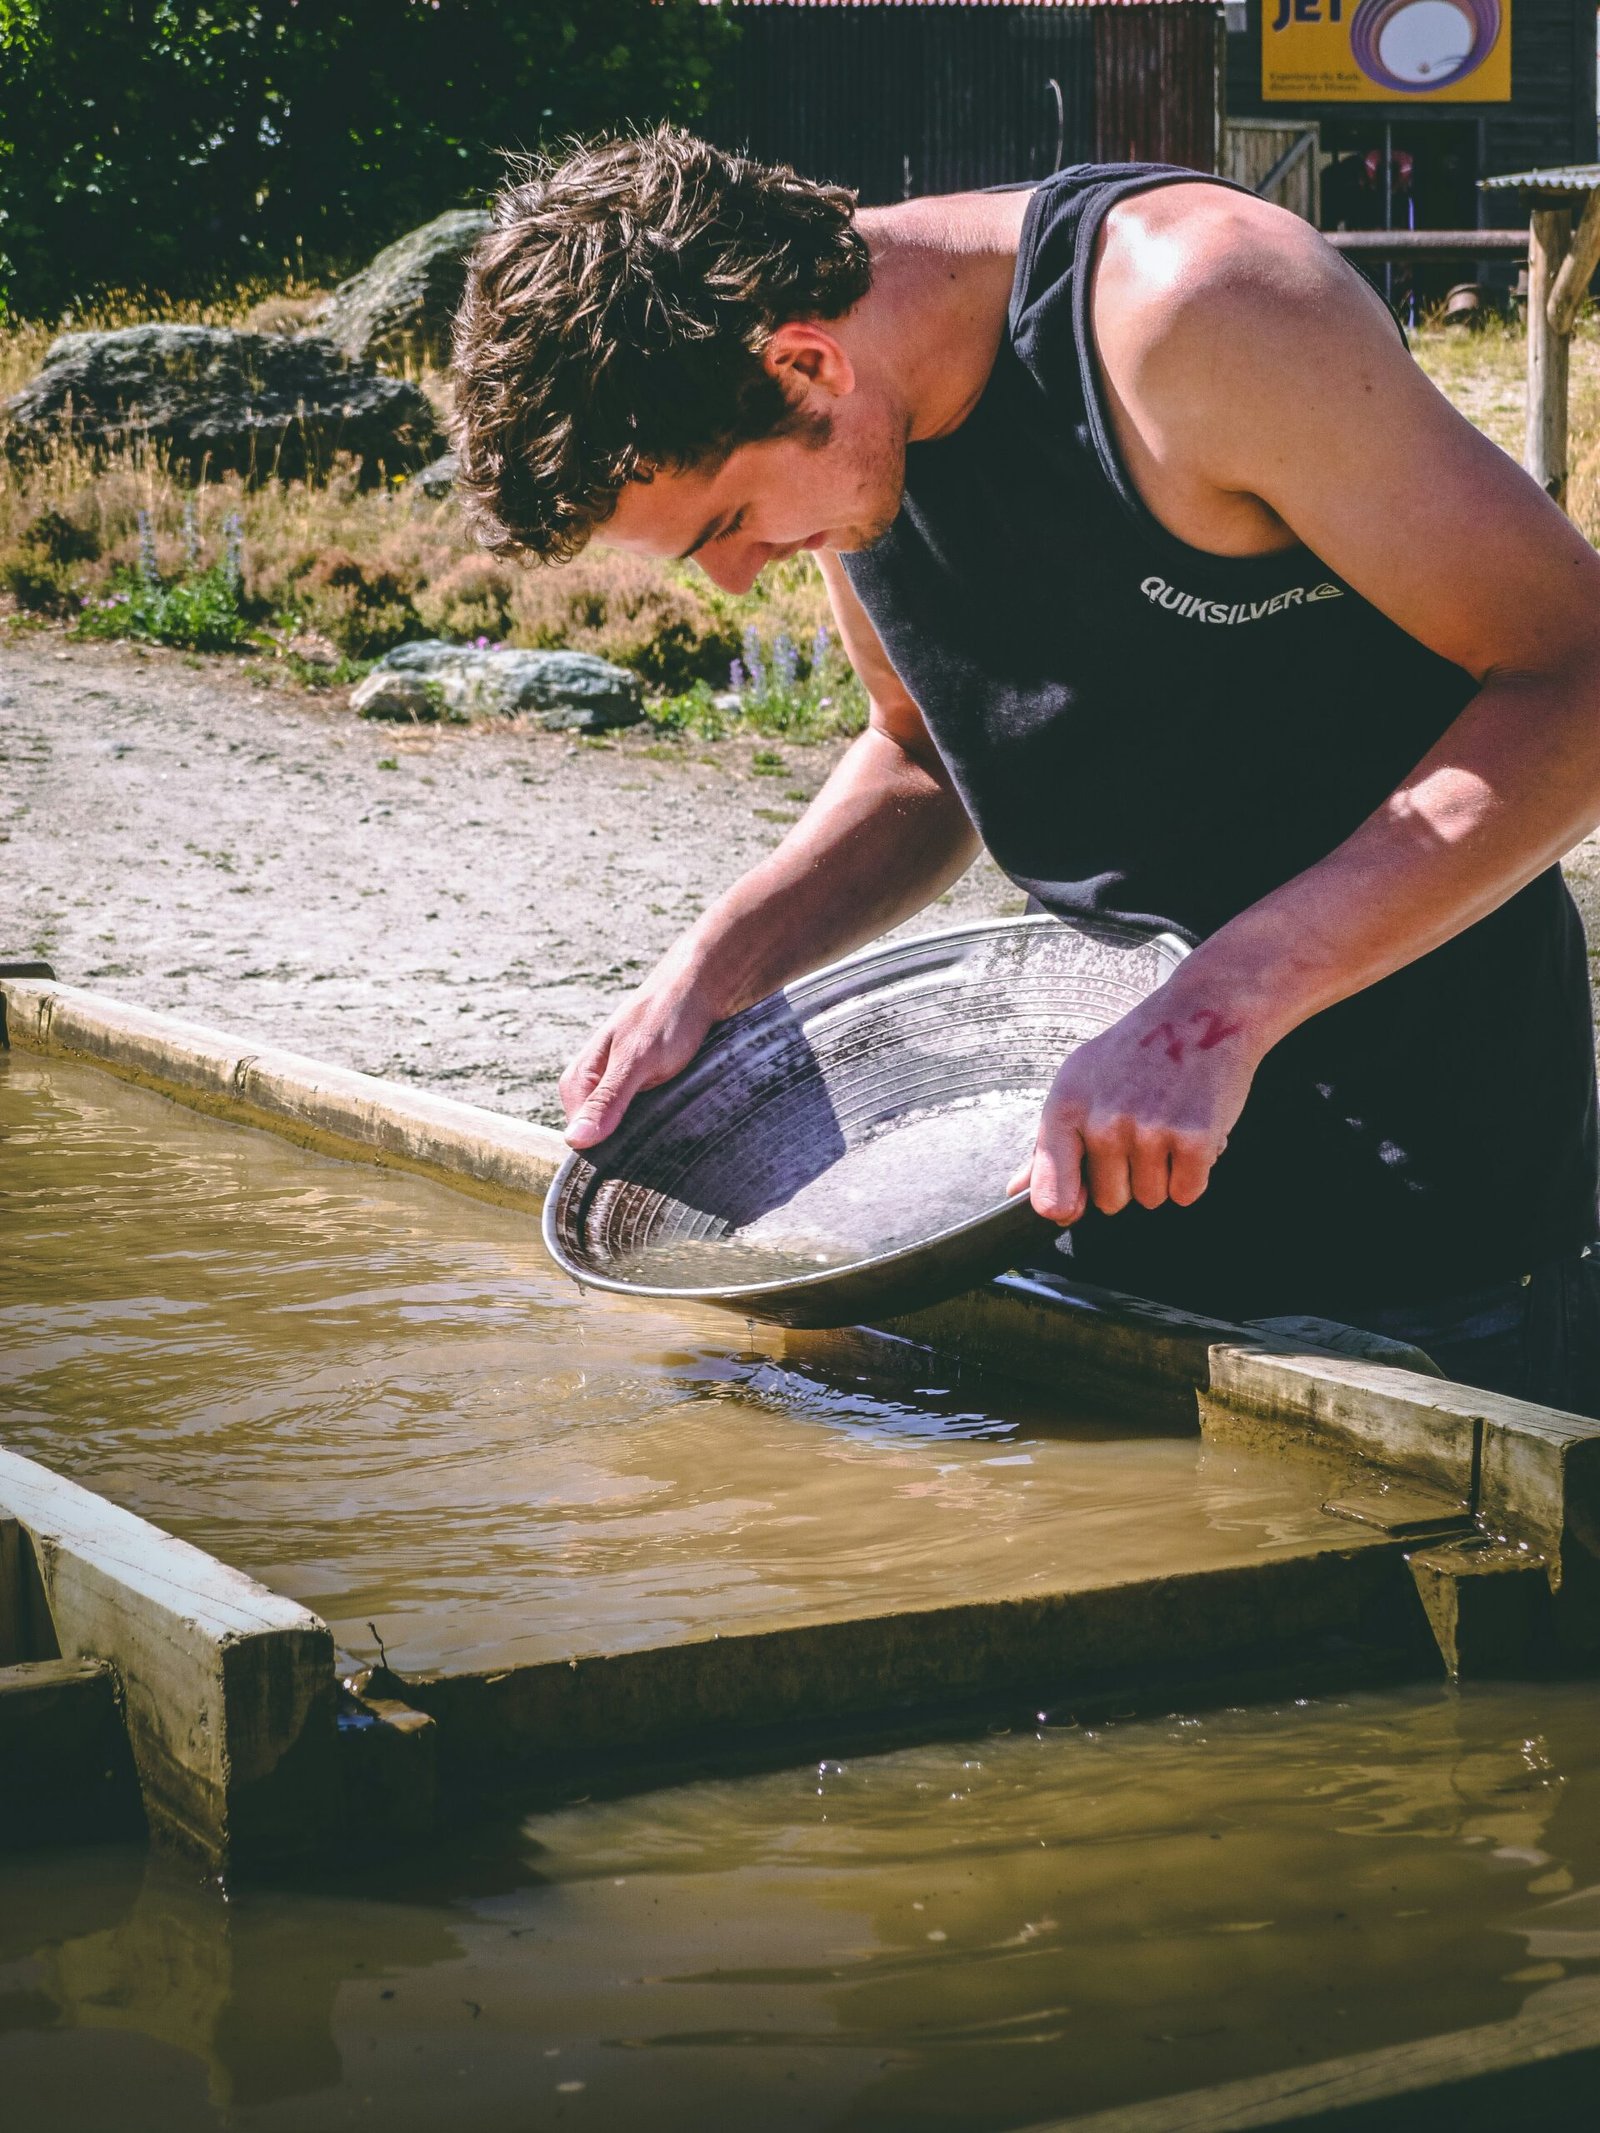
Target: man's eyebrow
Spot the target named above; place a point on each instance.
(706, 531)
(711, 530)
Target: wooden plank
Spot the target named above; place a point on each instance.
(65, 1769)
(323, 1107)
(1045, 1329)
(1424, 1428)
(703, 1701)
(228, 1688)
(1559, 2033)
(1539, 1485)
(1545, 439)
(13, 1635)
(1428, 244)
(1570, 290)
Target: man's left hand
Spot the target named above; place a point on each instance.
(1142, 1111)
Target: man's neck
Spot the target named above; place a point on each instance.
(932, 323)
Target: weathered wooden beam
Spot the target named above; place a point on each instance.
(1548, 2056)
(228, 1689)
(65, 1770)
(303, 1100)
(1570, 288)
(707, 1701)
(13, 1640)
(1424, 1428)
(1545, 438)
(1428, 244)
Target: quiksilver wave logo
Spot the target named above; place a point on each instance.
(1195, 607)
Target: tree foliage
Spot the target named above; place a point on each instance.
(175, 145)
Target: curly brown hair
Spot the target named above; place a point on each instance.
(614, 321)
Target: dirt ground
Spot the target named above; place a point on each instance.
(178, 838)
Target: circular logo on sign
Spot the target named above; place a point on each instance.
(1413, 46)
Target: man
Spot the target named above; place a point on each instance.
(1170, 576)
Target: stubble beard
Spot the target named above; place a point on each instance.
(879, 471)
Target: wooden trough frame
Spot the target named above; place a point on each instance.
(1463, 1530)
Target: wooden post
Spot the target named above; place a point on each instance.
(1571, 287)
(1545, 452)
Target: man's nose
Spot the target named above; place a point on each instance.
(734, 573)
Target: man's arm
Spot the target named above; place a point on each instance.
(1257, 382)
(884, 836)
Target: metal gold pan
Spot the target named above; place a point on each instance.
(841, 1149)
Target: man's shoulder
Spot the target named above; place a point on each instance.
(1176, 256)
(1206, 300)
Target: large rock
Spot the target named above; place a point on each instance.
(437, 480)
(214, 399)
(565, 691)
(398, 309)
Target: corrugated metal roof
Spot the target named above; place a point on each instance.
(1561, 178)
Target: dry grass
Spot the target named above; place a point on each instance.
(1483, 370)
(347, 572)
(350, 572)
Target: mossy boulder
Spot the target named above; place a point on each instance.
(214, 400)
(399, 308)
(564, 691)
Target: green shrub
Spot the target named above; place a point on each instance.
(60, 538)
(805, 697)
(38, 586)
(361, 604)
(200, 611)
(692, 711)
(472, 599)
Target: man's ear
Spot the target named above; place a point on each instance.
(801, 353)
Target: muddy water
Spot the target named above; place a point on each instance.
(948, 1940)
(378, 1396)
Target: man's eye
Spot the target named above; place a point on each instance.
(732, 526)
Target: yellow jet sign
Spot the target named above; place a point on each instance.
(1386, 51)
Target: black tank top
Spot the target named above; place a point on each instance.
(1146, 731)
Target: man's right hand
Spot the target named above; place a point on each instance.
(885, 835)
(644, 1043)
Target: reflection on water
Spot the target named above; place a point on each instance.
(378, 1396)
(972, 1937)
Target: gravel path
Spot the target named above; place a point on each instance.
(180, 838)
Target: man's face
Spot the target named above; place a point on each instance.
(835, 484)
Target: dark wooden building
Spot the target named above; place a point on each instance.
(1419, 162)
(901, 97)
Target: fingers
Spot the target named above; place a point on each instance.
(618, 1080)
(1149, 1167)
(1191, 1169)
(578, 1081)
(611, 1071)
(601, 1111)
(1057, 1173)
(1109, 1163)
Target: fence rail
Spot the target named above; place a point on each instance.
(1430, 244)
